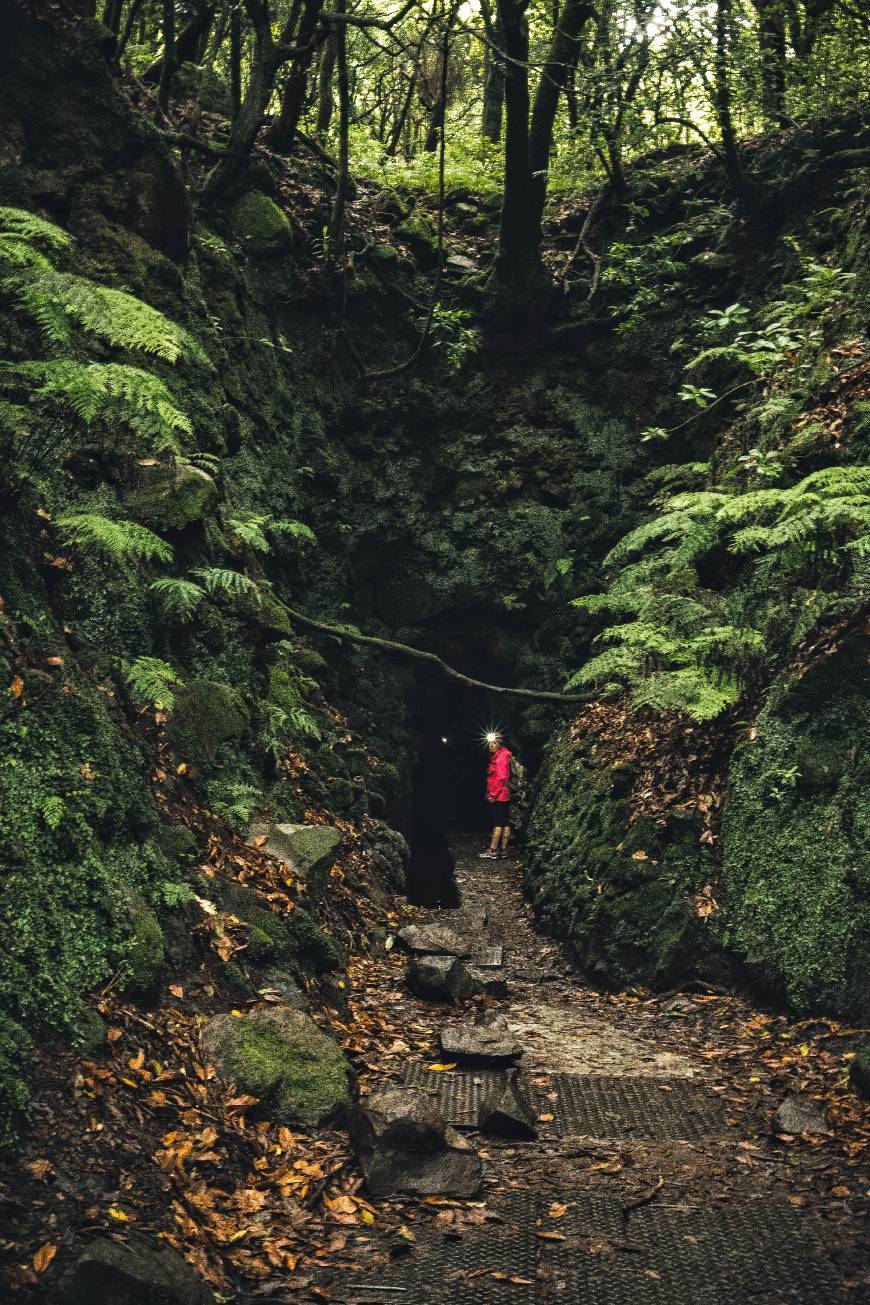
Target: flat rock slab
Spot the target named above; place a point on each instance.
(435, 940)
(137, 1272)
(603, 1108)
(491, 957)
(490, 1043)
(562, 1036)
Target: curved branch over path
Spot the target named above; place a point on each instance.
(405, 650)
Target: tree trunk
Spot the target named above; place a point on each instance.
(493, 89)
(112, 15)
(325, 102)
(554, 79)
(402, 118)
(336, 226)
(230, 168)
(187, 46)
(771, 45)
(170, 60)
(723, 103)
(235, 60)
(283, 129)
(434, 127)
(517, 260)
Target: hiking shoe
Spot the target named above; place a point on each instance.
(488, 855)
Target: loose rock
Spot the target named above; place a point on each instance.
(434, 939)
(404, 1144)
(506, 1113)
(137, 1272)
(859, 1072)
(487, 983)
(800, 1115)
(488, 1041)
(438, 978)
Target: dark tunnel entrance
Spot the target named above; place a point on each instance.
(449, 782)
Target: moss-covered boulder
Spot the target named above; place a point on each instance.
(419, 234)
(206, 714)
(281, 1057)
(145, 950)
(796, 839)
(173, 496)
(296, 938)
(309, 850)
(262, 227)
(620, 891)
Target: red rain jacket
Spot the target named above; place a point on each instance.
(498, 777)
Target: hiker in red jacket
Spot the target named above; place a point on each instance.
(498, 796)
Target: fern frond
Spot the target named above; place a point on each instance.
(691, 690)
(149, 680)
(179, 598)
(111, 393)
(18, 224)
(222, 580)
(295, 529)
(55, 299)
(122, 541)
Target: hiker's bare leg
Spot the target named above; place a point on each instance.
(505, 837)
(496, 836)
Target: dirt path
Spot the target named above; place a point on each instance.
(655, 1179)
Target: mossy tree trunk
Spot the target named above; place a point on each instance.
(283, 131)
(561, 59)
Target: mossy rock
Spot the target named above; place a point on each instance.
(281, 1057)
(173, 497)
(796, 839)
(316, 950)
(309, 850)
(15, 1048)
(262, 227)
(90, 1031)
(203, 84)
(206, 715)
(270, 937)
(419, 234)
(382, 253)
(145, 951)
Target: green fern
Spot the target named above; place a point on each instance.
(252, 529)
(111, 393)
(121, 541)
(222, 580)
(19, 230)
(58, 300)
(149, 680)
(178, 598)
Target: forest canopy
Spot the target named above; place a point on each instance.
(526, 97)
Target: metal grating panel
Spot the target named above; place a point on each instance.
(629, 1107)
(460, 1270)
(760, 1253)
(583, 1106)
(459, 1096)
